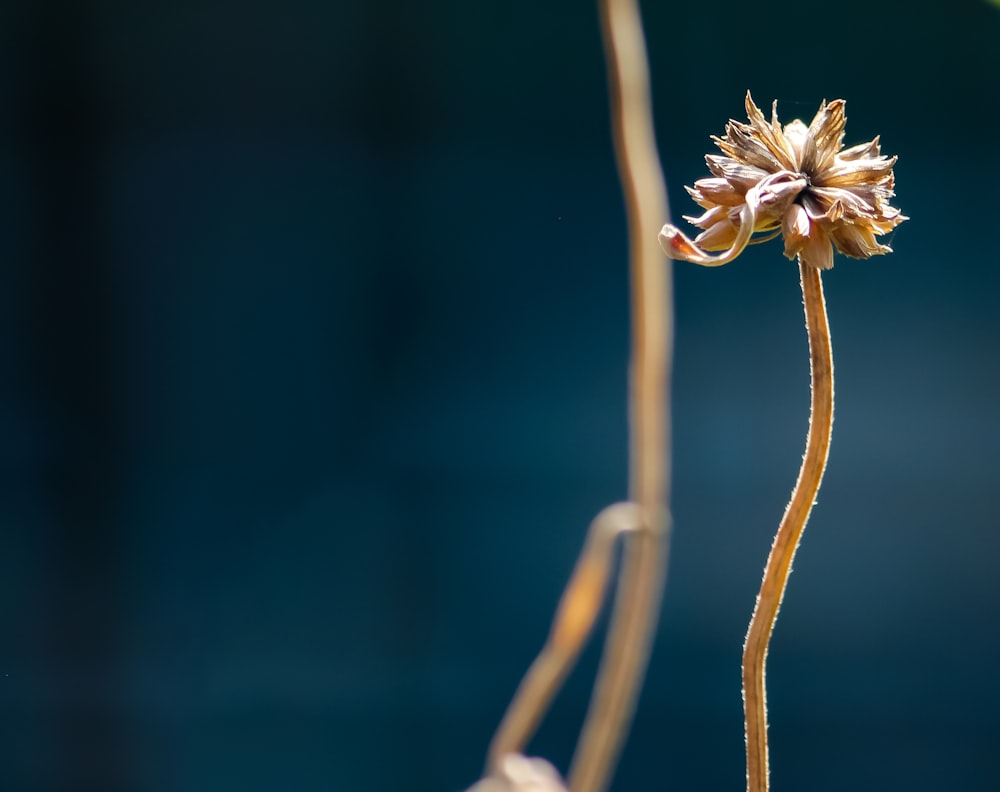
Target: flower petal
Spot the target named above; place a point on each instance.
(827, 133)
(797, 135)
(864, 150)
(857, 241)
(849, 200)
(823, 207)
(741, 176)
(719, 236)
(776, 193)
(817, 252)
(860, 171)
(795, 229)
(770, 134)
(719, 191)
(678, 246)
(709, 218)
(889, 219)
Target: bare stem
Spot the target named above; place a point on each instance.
(644, 520)
(640, 584)
(574, 619)
(786, 540)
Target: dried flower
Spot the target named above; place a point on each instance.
(517, 773)
(791, 180)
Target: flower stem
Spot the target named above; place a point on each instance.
(640, 583)
(578, 610)
(786, 540)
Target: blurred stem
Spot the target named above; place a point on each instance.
(640, 584)
(786, 540)
(578, 609)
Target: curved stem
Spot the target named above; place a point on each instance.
(578, 610)
(640, 584)
(779, 562)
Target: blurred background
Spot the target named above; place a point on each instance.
(313, 350)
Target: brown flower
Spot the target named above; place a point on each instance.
(792, 180)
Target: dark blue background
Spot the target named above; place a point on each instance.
(313, 348)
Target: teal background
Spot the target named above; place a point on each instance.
(313, 349)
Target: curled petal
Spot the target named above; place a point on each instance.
(776, 193)
(767, 200)
(678, 246)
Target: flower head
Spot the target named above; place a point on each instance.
(792, 180)
(518, 773)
